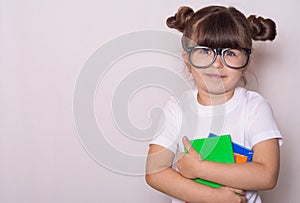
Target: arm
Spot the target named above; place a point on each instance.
(260, 174)
(162, 177)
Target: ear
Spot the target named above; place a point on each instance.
(186, 61)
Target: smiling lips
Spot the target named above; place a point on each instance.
(215, 76)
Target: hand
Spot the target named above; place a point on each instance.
(233, 195)
(227, 194)
(187, 163)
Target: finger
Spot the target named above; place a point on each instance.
(237, 191)
(240, 192)
(187, 144)
(244, 199)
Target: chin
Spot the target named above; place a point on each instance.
(216, 89)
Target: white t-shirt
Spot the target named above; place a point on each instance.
(247, 117)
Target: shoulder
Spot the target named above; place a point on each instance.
(256, 106)
(260, 121)
(251, 98)
(253, 103)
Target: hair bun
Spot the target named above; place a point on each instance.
(180, 19)
(262, 29)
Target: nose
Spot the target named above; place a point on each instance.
(218, 62)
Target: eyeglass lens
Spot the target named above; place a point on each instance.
(204, 57)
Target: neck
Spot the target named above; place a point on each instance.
(211, 99)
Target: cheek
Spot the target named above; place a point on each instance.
(238, 75)
(197, 74)
(233, 73)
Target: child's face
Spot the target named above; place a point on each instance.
(216, 79)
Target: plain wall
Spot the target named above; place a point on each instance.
(44, 46)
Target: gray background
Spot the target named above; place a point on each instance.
(43, 47)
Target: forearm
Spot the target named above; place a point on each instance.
(246, 176)
(161, 176)
(260, 174)
(172, 183)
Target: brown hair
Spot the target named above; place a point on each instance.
(218, 26)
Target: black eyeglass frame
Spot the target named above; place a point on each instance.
(218, 51)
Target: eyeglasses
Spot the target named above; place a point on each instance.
(203, 57)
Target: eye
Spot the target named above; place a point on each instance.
(231, 53)
(204, 51)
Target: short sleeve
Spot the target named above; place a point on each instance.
(169, 123)
(262, 124)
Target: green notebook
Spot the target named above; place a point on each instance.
(216, 149)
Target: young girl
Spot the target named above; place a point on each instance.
(217, 43)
